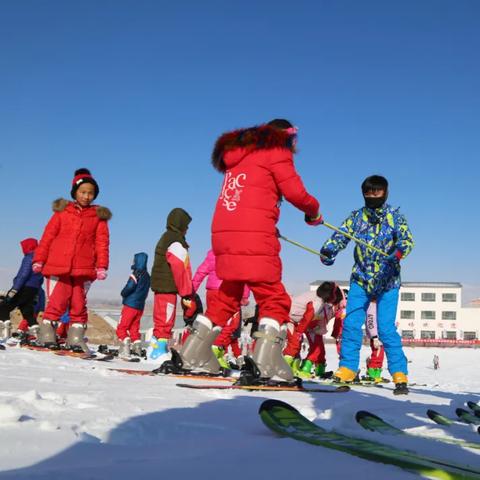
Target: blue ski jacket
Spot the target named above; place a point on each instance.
(136, 290)
(385, 228)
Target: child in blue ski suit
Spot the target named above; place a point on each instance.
(373, 276)
(134, 296)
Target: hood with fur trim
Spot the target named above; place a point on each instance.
(60, 204)
(239, 143)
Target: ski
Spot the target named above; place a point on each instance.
(285, 420)
(467, 417)
(474, 407)
(439, 418)
(2, 347)
(69, 353)
(265, 388)
(151, 373)
(374, 423)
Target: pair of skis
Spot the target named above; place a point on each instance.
(285, 420)
(464, 416)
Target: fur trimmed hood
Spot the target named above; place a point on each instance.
(60, 204)
(246, 140)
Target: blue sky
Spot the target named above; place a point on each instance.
(138, 91)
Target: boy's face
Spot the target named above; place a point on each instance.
(85, 194)
(374, 193)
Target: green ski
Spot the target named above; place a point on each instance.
(467, 417)
(372, 422)
(287, 421)
(474, 407)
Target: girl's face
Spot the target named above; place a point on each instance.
(85, 194)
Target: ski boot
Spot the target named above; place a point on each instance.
(32, 334)
(344, 375)
(219, 353)
(124, 349)
(136, 349)
(159, 347)
(374, 375)
(5, 330)
(196, 353)
(305, 370)
(293, 363)
(46, 335)
(267, 366)
(75, 338)
(320, 372)
(401, 383)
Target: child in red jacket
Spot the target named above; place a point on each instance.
(259, 172)
(73, 252)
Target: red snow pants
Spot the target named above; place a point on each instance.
(272, 299)
(129, 325)
(164, 312)
(67, 292)
(316, 351)
(376, 357)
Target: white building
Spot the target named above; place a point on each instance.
(432, 312)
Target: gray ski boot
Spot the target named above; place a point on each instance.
(124, 350)
(7, 329)
(46, 334)
(196, 353)
(75, 338)
(136, 349)
(267, 365)
(33, 331)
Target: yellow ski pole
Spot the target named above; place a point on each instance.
(293, 242)
(355, 239)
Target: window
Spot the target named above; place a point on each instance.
(428, 315)
(449, 315)
(469, 335)
(428, 297)
(407, 334)
(450, 335)
(427, 334)
(407, 297)
(449, 297)
(407, 314)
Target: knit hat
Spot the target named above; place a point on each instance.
(83, 175)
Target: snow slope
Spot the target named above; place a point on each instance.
(69, 418)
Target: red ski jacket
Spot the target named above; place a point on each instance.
(259, 171)
(75, 241)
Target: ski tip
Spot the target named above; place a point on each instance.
(432, 414)
(362, 414)
(473, 406)
(460, 412)
(270, 404)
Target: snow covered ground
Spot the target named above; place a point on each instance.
(69, 418)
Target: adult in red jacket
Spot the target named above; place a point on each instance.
(73, 251)
(259, 172)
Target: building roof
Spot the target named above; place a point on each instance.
(343, 283)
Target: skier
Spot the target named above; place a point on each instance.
(375, 360)
(258, 169)
(310, 314)
(373, 276)
(436, 362)
(23, 293)
(226, 338)
(134, 295)
(171, 275)
(73, 252)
